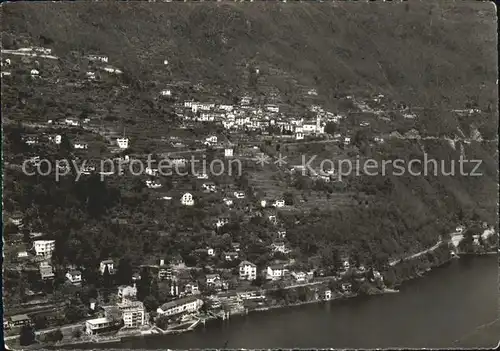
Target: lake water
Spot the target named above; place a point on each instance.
(432, 312)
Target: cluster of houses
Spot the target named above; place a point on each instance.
(184, 291)
(259, 118)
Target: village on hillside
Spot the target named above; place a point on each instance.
(226, 273)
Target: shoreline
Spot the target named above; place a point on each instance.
(199, 321)
(338, 298)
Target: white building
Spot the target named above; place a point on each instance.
(273, 219)
(228, 152)
(56, 139)
(222, 221)
(211, 140)
(151, 171)
(74, 277)
(187, 199)
(112, 70)
(347, 140)
(151, 184)
(246, 100)
(106, 264)
(279, 203)
(299, 276)
(210, 251)
(230, 256)
(247, 270)
(122, 143)
(346, 287)
(46, 270)
(279, 246)
(275, 272)
(72, 122)
(166, 92)
(81, 146)
(101, 58)
(34, 73)
(133, 313)
(186, 305)
(178, 162)
(44, 247)
(211, 279)
(227, 108)
(22, 254)
(309, 128)
(97, 325)
(273, 108)
(127, 291)
(210, 187)
(239, 194)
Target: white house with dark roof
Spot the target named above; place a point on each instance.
(275, 272)
(74, 277)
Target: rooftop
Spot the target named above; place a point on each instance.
(98, 320)
(246, 263)
(179, 302)
(19, 317)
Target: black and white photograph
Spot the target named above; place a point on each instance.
(185, 175)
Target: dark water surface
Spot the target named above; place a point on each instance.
(432, 311)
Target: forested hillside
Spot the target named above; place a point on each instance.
(432, 55)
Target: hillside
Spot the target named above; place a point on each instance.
(364, 60)
(432, 55)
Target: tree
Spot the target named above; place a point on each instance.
(124, 271)
(288, 197)
(74, 313)
(259, 281)
(151, 303)
(40, 322)
(10, 228)
(106, 278)
(66, 147)
(26, 335)
(77, 333)
(331, 128)
(54, 336)
(162, 322)
(466, 244)
(144, 285)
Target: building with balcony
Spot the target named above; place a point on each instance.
(133, 313)
(44, 248)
